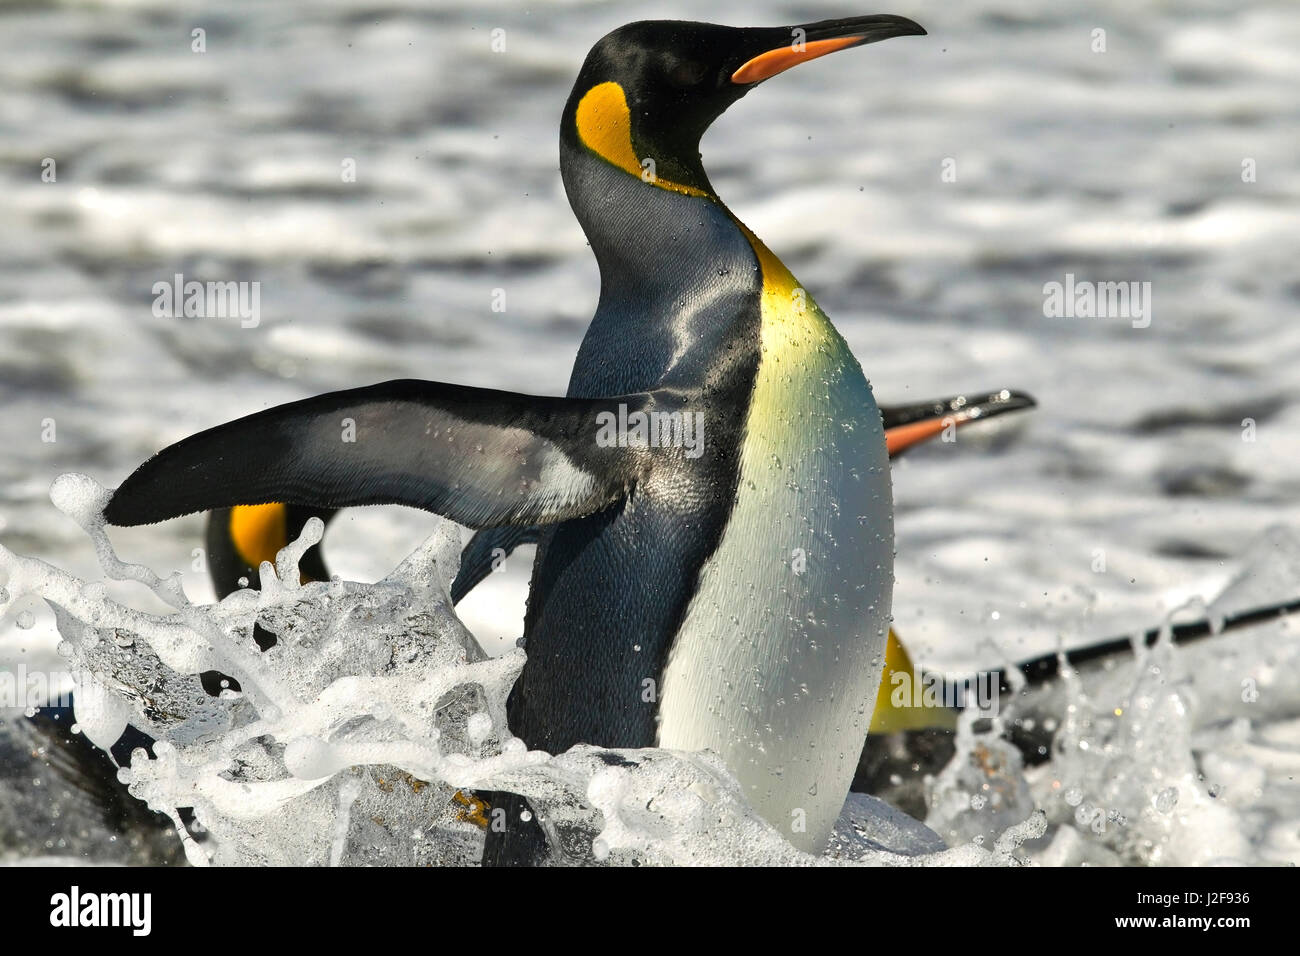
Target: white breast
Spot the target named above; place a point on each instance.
(776, 668)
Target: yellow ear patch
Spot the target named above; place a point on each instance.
(258, 532)
(605, 127)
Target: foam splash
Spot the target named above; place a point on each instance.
(360, 735)
(1182, 756)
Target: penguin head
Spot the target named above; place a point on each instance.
(649, 90)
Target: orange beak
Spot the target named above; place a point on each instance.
(899, 439)
(794, 45)
(910, 425)
(769, 64)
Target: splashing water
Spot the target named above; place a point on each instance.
(1184, 756)
(361, 734)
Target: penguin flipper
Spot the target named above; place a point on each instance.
(481, 457)
(476, 558)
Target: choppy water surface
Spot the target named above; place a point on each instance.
(1127, 491)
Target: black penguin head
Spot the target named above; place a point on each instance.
(649, 90)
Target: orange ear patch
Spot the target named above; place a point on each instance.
(605, 127)
(258, 532)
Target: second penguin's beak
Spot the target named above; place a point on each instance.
(909, 425)
(794, 45)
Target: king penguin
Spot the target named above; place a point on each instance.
(730, 595)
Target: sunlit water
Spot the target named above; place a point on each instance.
(1128, 491)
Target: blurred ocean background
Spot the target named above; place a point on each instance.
(1123, 165)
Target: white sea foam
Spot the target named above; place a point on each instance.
(361, 734)
(350, 740)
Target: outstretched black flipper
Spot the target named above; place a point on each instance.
(480, 457)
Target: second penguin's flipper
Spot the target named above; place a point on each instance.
(480, 457)
(478, 558)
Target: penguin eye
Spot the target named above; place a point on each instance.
(685, 74)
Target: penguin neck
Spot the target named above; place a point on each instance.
(624, 216)
(679, 279)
